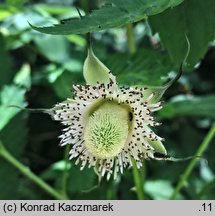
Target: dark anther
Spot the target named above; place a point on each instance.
(159, 155)
(130, 116)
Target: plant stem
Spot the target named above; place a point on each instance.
(137, 174)
(65, 173)
(132, 47)
(193, 162)
(138, 180)
(26, 171)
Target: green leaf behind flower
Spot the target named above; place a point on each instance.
(146, 67)
(10, 95)
(159, 189)
(114, 14)
(14, 138)
(189, 105)
(174, 23)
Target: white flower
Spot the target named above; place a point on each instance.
(106, 124)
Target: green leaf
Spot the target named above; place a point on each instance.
(23, 78)
(53, 48)
(114, 14)
(54, 73)
(159, 189)
(10, 183)
(13, 131)
(7, 10)
(206, 173)
(10, 95)
(16, 3)
(189, 105)
(146, 67)
(63, 85)
(13, 136)
(5, 69)
(174, 23)
(77, 39)
(76, 178)
(54, 9)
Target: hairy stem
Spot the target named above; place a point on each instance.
(193, 162)
(27, 172)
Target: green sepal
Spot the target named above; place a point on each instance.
(95, 71)
(158, 146)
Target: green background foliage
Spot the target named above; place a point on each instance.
(143, 43)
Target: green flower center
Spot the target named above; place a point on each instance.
(107, 130)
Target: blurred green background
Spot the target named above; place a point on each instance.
(37, 70)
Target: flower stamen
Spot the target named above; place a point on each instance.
(107, 125)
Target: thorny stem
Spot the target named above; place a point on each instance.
(193, 162)
(27, 172)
